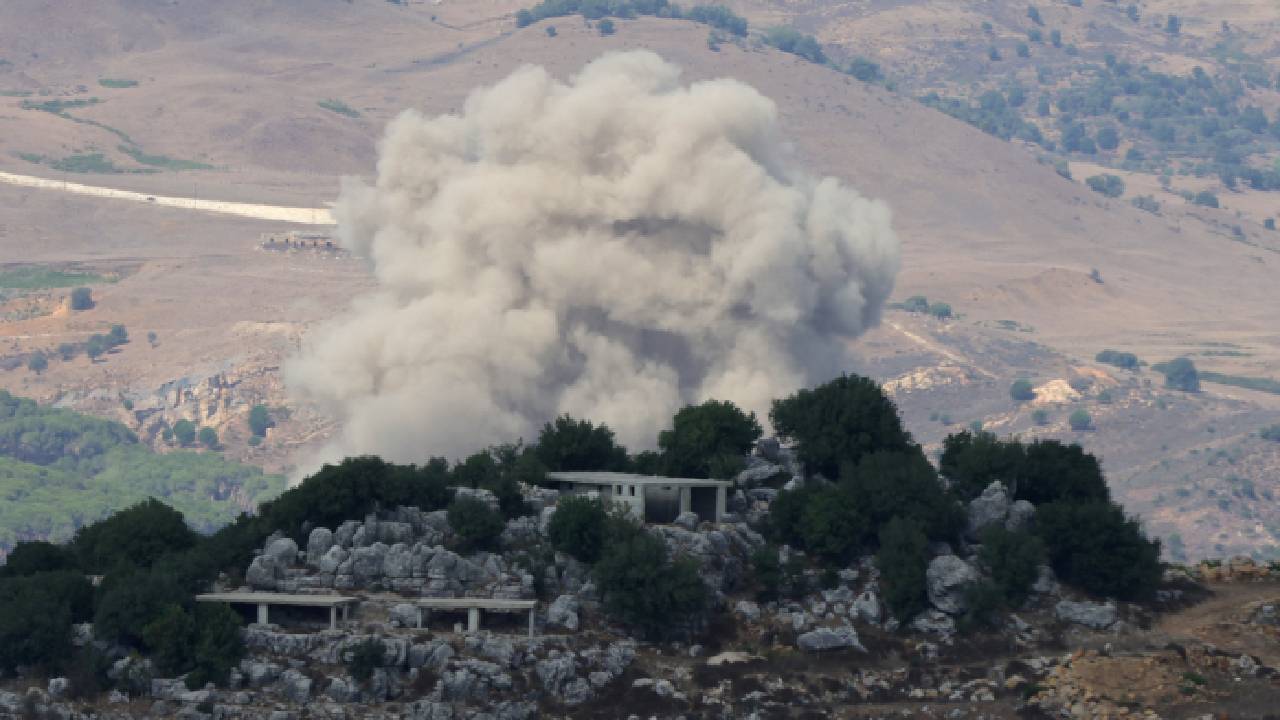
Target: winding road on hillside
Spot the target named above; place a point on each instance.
(297, 215)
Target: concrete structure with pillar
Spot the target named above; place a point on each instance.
(264, 600)
(650, 498)
(473, 606)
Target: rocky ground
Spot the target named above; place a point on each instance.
(1209, 644)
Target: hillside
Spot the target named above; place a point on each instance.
(60, 471)
(269, 98)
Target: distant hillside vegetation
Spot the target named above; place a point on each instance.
(60, 470)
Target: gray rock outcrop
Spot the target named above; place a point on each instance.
(1097, 616)
(991, 508)
(946, 580)
(824, 638)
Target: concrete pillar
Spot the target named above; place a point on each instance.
(532, 610)
(721, 492)
(686, 499)
(333, 617)
(421, 617)
(262, 613)
(473, 619)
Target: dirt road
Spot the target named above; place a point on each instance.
(300, 216)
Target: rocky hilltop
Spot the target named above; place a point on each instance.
(829, 647)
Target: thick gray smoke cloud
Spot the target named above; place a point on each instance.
(613, 247)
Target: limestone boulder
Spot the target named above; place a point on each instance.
(946, 580)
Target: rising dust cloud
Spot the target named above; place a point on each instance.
(612, 247)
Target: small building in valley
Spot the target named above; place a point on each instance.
(650, 498)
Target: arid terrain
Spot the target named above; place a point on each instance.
(274, 102)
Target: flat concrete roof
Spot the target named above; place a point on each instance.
(269, 598)
(482, 603)
(617, 478)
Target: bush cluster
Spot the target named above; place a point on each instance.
(1103, 551)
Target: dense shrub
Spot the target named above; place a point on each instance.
(81, 299)
(208, 437)
(136, 536)
(1080, 420)
(576, 445)
(838, 423)
(35, 623)
(1127, 361)
(170, 638)
(1043, 471)
(901, 483)
(718, 16)
(218, 648)
(1180, 374)
(578, 528)
(1110, 185)
(184, 431)
(29, 558)
(708, 440)
(972, 461)
(363, 658)
(903, 559)
(1022, 390)
(790, 40)
(1271, 433)
(1092, 545)
(766, 573)
(129, 601)
(642, 588)
(1204, 198)
(260, 420)
(832, 525)
(475, 523)
(1013, 559)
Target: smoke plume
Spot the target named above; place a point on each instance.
(612, 247)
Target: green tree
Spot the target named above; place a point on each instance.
(1022, 391)
(184, 431)
(838, 423)
(475, 523)
(643, 588)
(29, 558)
(708, 440)
(37, 363)
(81, 299)
(1080, 420)
(886, 484)
(96, 346)
(972, 461)
(170, 638)
(832, 525)
(576, 445)
(36, 614)
(1093, 546)
(606, 27)
(1013, 559)
(130, 600)
(134, 537)
(578, 528)
(1173, 25)
(1181, 374)
(208, 437)
(218, 647)
(118, 335)
(903, 560)
(260, 420)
